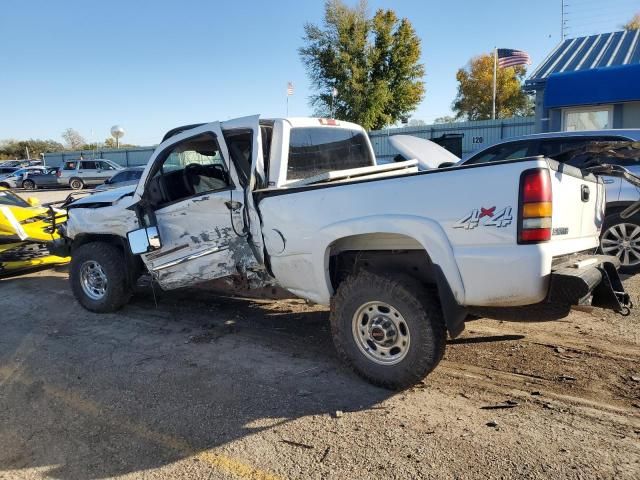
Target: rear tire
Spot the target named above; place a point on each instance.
(98, 277)
(621, 238)
(371, 313)
(29, 185)
(76, 184)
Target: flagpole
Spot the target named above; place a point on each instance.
(287, 105)
(495, 78)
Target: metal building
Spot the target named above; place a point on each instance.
(589, 83)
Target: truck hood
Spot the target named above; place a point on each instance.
(429, 154)
(107, 197)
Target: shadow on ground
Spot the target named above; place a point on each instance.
(87, 396)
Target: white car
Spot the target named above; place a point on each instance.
(403, 257)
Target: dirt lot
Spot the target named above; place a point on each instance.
(217, 387)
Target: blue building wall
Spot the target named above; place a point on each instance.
(127, 157)
(476, 135)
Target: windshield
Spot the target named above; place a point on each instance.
(11, 199)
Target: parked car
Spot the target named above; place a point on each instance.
(47, 179)
(80, 173)
(15, 178)
(620, 237)
(402, 257)
(5, 170)
(128, 176)
(26, 230)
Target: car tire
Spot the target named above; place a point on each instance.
(29, 185)
(620, 238)
(76, 184)
(5, 185)
(98, 277)
(390, 330)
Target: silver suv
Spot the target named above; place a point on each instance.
(79, 173)
(620, 237)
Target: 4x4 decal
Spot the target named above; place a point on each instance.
(487, 217)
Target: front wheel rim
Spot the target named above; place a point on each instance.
(93, 280)
(381, 333)
(622, 240)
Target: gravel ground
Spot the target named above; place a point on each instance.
(206, 386)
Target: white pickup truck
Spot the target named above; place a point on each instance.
(401, 256)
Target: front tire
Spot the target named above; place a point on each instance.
(76, 184)
(98, 277)
(621, 238)
(29, 185)
(389, 330)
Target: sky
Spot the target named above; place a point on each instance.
(152, 65)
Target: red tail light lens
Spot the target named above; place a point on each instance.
(534, 220)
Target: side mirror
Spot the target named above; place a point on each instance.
(144, 240)
(33, 201)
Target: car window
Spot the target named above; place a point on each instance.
(88, 165)
(105, 166)
(504, 151)
(192, 167)
(11, 199)
(316, 150)
(135, 174)
(70, 165)
(119, 177)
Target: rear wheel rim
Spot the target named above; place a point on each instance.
(93, 280)
(622, 240)
(28, 185)
(381, 333)
(76, 184)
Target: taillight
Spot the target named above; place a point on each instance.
(534, 220)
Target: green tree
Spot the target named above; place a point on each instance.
(634, 23)
(475, 91)
(445, 119)
(373, 64)
(10, 149)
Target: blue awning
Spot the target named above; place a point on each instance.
(588, 87)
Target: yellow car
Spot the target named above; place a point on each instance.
(25, 230)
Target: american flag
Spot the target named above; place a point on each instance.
(289, 89)
(508, 57)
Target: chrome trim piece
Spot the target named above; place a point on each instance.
(193, 256)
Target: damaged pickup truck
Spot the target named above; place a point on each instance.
(402, 256)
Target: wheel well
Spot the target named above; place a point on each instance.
(415, 263)
(134, 263)
(5, 185)
(616, 208)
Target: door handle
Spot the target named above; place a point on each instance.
(233, 205)
(585, 193)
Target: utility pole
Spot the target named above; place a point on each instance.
(562, 14)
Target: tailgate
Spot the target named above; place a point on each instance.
(578, 209)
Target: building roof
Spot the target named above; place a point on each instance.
(586, 53)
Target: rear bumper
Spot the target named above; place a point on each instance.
(589, 277)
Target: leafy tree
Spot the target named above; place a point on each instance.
(416, 122)
(73, 139)
(475, 91)
(111, 143)
(634, 23)
(10, 149)
(445, 119)
(373, 64)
